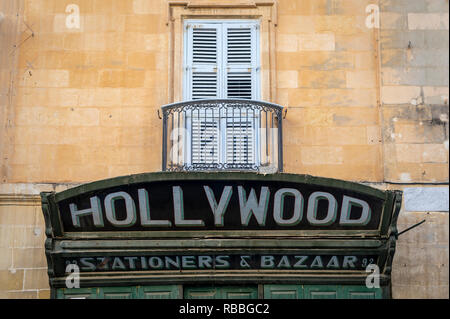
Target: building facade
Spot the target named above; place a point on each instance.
(86, 85)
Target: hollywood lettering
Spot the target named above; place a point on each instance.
(127, 209)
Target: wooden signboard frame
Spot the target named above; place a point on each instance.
(326, 247)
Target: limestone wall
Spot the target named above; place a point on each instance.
(414, 75)
(365, 103)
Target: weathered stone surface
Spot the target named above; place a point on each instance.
(79, 105)
(421, 262)
(403, 6)
(428, 21)
(426, 199)
(414, 74)
(36, 279)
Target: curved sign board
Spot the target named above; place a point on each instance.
(229, 204)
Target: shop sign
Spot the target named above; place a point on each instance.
(220, 205)
(207, 262)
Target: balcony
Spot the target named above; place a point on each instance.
(222, 135)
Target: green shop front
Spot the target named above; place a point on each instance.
(221, 235)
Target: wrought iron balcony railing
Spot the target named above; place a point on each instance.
(222, 134)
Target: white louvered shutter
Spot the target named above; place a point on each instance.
(240, 140)
(240, 60)
(205, 142)
(241, 69)
(203, 60)
(203, 64)
(222, 62)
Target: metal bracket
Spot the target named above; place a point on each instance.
(285, 113)
(409, 228)
(159, 115)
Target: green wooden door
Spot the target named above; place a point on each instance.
(361, 292)
(81, 293)
(220, 292)
(321, 292)
(137, 292)
(223, 292)
(239, 292)
(160, 292)
(117, 293)
(283, 292)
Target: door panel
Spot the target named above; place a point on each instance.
(218, 292)
(160, 292)
(361, 292)
(140, 292)
(321, 292)
(283, 292)
(239, 293)
(200, 293)
(80, 293)
(271, 291)
(117, 293)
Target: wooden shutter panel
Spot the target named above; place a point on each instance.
(240, 140)
(222, 62)
(241, 61)
(203, 61)
(239, 45)
(239, 85)
(205, 143)
(241, 67)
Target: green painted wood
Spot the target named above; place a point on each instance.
(77, 293)
(136, 292)
(249, 176)
(342, 292)
(361, 292)
(225, 234)
(201, 293)
(321, 292)
(271, 291)
(118, 293)
(51, 199)
(283, 292)
(224, 292)
(239, 292)
(160, 292)
(307, 245)
(117, 243)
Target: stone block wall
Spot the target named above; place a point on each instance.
(327, 79)
(87, 97)
(365, 104)
(23, 266)
(421, 265)
(414, 76)
(414, 89)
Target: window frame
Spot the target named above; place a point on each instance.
(256, 77)
(222, 83)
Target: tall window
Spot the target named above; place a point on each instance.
(222, 62)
